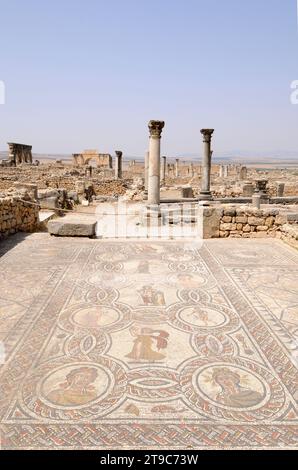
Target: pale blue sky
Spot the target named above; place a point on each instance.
(90, 74)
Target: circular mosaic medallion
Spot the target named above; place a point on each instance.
(203, 317)
(107, 279)
(69, 389)
(95, 317)
(232, 388)
(74, 385)
(185, 280)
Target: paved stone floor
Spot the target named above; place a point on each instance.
(148, 344)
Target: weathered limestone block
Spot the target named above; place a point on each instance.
(177, 193)
(73, 195)
(270, 221)
(248, 190)
(231, 211)
(270, 212)
(241, 219)
(226, 219)
(229, 227)
(254, 212)
(46, 193)
(31, 189)
(67, 227)
(235, 234)
(281, 219)
(49, 203)
(246, 228)
(256, 221)
(292, 218)
(209, 222)
(262, 228)
(223, 234)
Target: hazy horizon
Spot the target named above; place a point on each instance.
(92, 74)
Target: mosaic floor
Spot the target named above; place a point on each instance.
(166, 345)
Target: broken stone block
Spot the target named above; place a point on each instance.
(65, 227)
(48, 203)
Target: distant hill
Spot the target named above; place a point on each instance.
(233, 156)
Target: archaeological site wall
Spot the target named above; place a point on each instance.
(17, 215)
(248, 222)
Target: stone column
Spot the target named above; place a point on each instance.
(221, 171)
(190, 170)
(206, 167)
(226, 171)
(256, 201)
(163, 170)
(177, 168)
(118, 165)
(243, 173)
(155, 129)
(280, 189)
(146, 171)
(169, 169)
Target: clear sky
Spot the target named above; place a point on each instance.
(91, 74)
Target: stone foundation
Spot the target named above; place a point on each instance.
(17, 215)
(247, 222)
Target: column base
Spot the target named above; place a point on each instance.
(264, 198)
(205, 196)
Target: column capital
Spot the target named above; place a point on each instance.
(207, 134)
(118, 153)
(155, 128)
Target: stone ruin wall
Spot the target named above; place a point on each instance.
(88, 156)
(53, 176)
(248, 222)
(17, 215)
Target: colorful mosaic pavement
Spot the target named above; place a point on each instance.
(170, 345)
